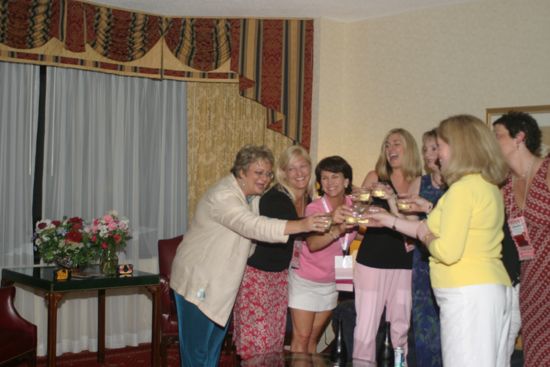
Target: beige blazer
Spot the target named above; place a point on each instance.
(210, 262)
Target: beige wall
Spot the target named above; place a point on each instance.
(414, 69)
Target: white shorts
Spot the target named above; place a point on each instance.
(312, 296)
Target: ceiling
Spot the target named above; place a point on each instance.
(341, 10)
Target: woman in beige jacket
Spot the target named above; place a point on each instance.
(209, 264)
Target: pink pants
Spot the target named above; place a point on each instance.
(374, 289)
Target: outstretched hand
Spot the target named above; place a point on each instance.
(340, 214)
(316, 222)
(379, 217)
(413, 204)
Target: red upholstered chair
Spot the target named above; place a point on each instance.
(17, 335)
(169, 317)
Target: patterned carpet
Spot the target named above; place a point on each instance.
(139, 356)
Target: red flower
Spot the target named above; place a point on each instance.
(41, 225)
(117, 238)
(75, 220)
(104, 245)
(56, 223)
(74, 236)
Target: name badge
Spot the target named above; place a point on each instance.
(520, 235)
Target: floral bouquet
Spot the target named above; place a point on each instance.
(63, 242)
(108, 234)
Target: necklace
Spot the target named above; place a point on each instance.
(525, 177)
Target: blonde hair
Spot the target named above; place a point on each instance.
(430, 134)
(288, 155)
(412, 166)
(474, 149)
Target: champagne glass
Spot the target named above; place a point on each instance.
(359, 204)
(327, 217)
(404, 205)
(378, 191)
(361, 194)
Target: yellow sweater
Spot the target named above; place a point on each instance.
(468, 224)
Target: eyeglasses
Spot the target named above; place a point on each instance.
(268, 175)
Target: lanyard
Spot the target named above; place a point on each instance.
(345, 243)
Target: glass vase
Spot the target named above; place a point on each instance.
(108, 262)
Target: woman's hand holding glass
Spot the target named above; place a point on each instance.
(379, 217)
(317, 222)
(341, 213)
(413, 204)
(382, 191)
(360, 198)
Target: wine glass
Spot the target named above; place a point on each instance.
(327, 217)
(360, 199)
(404, 204)
(378, 191)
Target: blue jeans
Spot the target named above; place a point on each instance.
(200, 338)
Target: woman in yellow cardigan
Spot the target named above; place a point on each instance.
(463, 234)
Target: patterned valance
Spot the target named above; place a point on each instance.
(279, 73)
(271, 59)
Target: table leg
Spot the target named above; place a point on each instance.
(101, 325)
(52, 298)
(155, 337)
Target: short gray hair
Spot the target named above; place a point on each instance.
(250, 154)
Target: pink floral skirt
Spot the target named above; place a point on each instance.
(259, 314)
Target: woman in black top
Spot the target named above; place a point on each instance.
(382, 275)
(259, 315)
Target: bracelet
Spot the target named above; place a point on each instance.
(394, 221)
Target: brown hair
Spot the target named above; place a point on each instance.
(248, 155)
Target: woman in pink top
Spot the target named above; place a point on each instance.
(312, 286)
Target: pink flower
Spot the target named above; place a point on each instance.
(112, 226)
(104, 245)
(107, 218)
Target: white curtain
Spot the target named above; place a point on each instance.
(19, 88)
(19, 96)
(18, 115)
(110, 143)
(115, 143)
